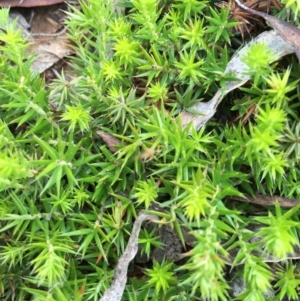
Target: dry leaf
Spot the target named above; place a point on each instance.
(29, 3)
(148, 154)
(48, 51)
(110, 140)
(49, 48)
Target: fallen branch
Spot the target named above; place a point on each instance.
(267, 200)
(115, 292)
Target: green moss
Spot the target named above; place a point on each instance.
(68, 201)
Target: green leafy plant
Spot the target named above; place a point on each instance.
(258, 60)
(69, 198)
(160, 276)
(147, 241)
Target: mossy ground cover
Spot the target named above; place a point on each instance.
(69, 197)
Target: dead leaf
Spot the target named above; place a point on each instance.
(148, 154)
(48, 47)
(28, 3)
(49, 51)
(110, 140)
